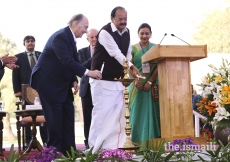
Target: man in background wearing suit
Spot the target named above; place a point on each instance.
(85, 55)
(53, 77)
(26, 61)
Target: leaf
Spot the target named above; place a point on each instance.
(72, 153)
(169, 156)
(217, 152)
(223, 123)
(11, 153)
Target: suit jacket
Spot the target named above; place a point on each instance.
(1, 65)
(57, 67)
(85, 60)
(22, 74)
(2, 71)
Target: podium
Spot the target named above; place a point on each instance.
(175, 94)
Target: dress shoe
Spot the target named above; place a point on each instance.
(86, 147)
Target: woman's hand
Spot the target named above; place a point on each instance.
(147, 86)
(138, 84)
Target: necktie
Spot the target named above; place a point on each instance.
(32, 61)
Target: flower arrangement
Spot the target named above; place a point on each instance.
(51, 154)
(215, 103)
(47, 154)
(157, 154)
(117, 154)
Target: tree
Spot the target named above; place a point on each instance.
(6, 88)
(214, 31)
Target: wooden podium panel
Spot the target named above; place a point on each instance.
(176, 116)
(163, 51)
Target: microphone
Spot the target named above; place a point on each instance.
(180, 39)
(163, 38)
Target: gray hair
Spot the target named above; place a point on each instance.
(87, 34)
(77, 17)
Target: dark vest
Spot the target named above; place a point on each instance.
(112, 68)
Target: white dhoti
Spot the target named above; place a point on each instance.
(108, 115)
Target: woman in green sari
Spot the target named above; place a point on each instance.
(144, 110)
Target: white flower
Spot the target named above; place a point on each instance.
(221, 114)
(215, 70)
(228, 68)
(212, 86)
(204, 81)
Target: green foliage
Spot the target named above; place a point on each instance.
(13, 156)
(7, 46)
(221, 154)
(223, 124)
(156, 154)
(72, 156)
(185, 156)
(214, 31)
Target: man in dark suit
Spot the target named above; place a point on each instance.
(53, 77)
(85, 55)
(21, 75)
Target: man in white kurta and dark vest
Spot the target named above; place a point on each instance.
(112, 48)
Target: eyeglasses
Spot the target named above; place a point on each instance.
(121, 19)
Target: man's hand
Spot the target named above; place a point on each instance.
(8, 59)
(12, 66)
(76, 87)
(135, 71)
(18, 94)
(94, 74)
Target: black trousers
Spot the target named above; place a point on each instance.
(87, 108)
(60, 123)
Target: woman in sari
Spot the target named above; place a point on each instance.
(144, 109)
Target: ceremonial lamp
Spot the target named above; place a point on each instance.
(128, 146)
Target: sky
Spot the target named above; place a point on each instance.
(41, 18)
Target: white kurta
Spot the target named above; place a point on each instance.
(108, 115)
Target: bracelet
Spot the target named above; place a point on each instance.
(150, 83)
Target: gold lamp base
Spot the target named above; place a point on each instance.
(128, 146)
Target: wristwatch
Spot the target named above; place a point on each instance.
(150, 83)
